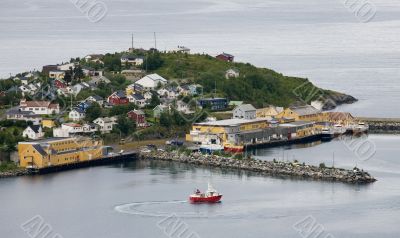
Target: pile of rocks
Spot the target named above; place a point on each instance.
(14, 173)
(384, 127)
(266, 167)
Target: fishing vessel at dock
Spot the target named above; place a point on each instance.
(327, 134)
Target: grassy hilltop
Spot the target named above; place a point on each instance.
(258, 86)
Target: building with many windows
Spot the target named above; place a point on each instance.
(58, 152)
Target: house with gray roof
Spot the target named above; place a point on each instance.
(244, 111)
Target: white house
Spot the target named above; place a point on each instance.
(95, 99)
(181, 49)
(77, 114)
(90, 128)
(59, 132)
(183, 107)
(65, 67)
(132, 59)
(232, 73)
(94, 58)
(148, 95)
(72, 127)
(96, 80)
(245, 111)
(39, 107)
(33, 132)
(106, 124)
(169, 93)
(137, 99)
(151, 81)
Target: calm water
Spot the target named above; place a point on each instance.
(318, 39)
(129, 200)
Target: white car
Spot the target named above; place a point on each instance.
(145, 151)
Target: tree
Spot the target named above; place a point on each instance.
(153, 61)
(165, 120)
(125, 126)
(112, 62)
(118, 80)
(93, 112)
(154, 101)
(122, 109)
(78, 72)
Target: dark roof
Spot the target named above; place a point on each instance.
(97, 97)
(16, 111)
(39, 149)
(132, 57)
(226, 55)
(120, 94)
(137, 112)
(79, 110)
(35, 128)
(138, 96)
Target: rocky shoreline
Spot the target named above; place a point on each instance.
(14, 173)
(337, 99)
(294, 170)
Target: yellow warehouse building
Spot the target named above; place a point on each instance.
(58, 152)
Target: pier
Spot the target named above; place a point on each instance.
(382, 125)
(278, 169)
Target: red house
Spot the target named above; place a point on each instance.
(60, 83)
(225, 57)
(118, 98)
(139, 117)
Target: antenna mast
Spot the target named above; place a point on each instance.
(132, 42)
(155, 40)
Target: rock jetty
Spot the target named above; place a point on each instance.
(275, 168)
(388, 127)
(14, 173)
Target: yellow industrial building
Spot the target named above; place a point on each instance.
(217, 131)
(58, 152)
(302, 113)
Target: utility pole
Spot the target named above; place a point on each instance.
(333, 160)
(215, 88)
(155, 41)
(132, 42)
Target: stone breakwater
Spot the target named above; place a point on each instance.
(14, 173)
(384, 127)
(294, 170)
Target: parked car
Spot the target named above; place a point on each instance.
(174, 142)
(145, 150)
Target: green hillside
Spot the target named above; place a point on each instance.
(259, 86)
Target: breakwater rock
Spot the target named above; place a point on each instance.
(14, 173)
(384, 127)
(294, 170)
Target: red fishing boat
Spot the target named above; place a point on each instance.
(210, 196)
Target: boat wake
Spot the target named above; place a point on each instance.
(180, 208)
